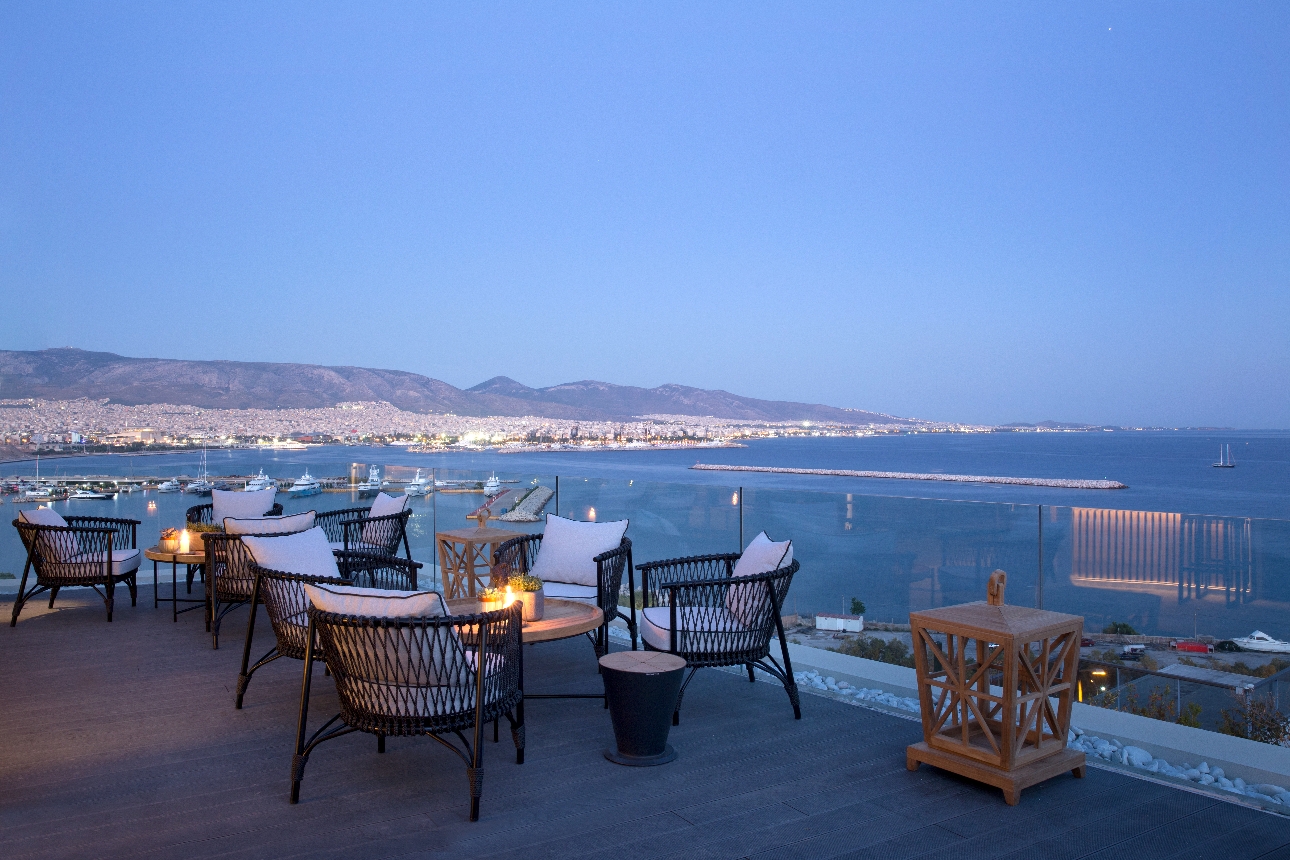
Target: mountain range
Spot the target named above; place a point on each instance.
(69, 373)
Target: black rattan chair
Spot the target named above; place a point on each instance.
(518, 555)
(694, 608)
(284, 601)
(93, 551)
(411, 677)
(352, 529)
(204, 515)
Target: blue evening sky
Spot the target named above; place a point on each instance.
(974, 212)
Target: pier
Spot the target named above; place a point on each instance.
(1063, 483)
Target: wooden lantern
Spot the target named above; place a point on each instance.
(995, 686)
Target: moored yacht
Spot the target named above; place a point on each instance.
(1260, 641)
(372, 485)
(171, 486)
(306, 485)
(418, 486)
(90, 494)
(260, 482)
(492, 486)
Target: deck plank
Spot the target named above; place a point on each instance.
(121, 740)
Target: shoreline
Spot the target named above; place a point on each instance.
(1062, 483)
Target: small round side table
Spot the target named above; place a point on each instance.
(641, 689)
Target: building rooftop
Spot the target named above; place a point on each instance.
(121, 739)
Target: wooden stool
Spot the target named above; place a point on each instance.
(641, 689)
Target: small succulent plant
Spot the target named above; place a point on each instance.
(524, 582)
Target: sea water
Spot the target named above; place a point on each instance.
(1186, 548)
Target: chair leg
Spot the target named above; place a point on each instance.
(517, 732)
(110, 600)
(676, 714)
(495, 734)
(21, 597)
(752, 679)
(243, 678)
(53, 592)
(299, 759)
(380, 743)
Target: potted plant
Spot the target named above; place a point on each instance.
(529, 589)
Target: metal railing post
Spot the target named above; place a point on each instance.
(557, 495)
(740, 548)
(1039, 581)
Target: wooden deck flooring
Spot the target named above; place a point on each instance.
(120, 740)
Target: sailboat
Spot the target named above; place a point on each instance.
(202, 486)
(1224, 458)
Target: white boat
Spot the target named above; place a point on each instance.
(1260, 641)
(372, 485)
(306, 485)
(1224, 458)
(171, 486)
(260, 482)
(90, 494)
(38, 493)
(492, 486)
(202, 486)
(418, 486)
(286, 445)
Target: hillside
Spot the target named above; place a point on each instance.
(66, 374)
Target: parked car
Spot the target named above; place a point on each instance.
(1086, 642)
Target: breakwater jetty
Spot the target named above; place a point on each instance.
(1063, 483)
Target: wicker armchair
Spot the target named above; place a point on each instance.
(353, 529)
(283, 597)
(204, 515)
(694, 608)
(518, 555)
(411, 677)
(93, 551)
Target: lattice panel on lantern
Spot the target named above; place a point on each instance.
(970, 713)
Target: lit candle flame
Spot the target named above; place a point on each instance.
(184, 541)
(510, 596)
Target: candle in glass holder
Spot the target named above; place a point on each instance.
(184, 541)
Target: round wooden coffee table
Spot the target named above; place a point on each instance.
(561, 619)
(191, 559)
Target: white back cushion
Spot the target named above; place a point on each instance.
(270, 525)
(241, 505)
(568, 547)
(382, 506)
(304, 552)
(42, 517)
(762, 555)
(376, 602)
(54, 547)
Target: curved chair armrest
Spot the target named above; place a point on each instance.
(201, 513)
(375, 570)
(692, 570)
(518, 553)
(333, 522)
(126, 529)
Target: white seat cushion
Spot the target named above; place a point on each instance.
(656, 623)
(123, 560)
(54, 547)
(241, 505)
(569, 591)
(270, 525)
(761, 556)
(568, 547)
(306, 553)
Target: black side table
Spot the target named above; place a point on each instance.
(641, 689)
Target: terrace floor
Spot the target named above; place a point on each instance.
(121, 739)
